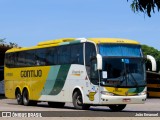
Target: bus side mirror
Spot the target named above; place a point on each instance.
(153, 62)
(99, 62)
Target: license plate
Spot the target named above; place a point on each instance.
(126, 100)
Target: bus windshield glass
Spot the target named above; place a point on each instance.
(120, 50)
(124, 65)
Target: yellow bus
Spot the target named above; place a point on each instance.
(153, 77)
(153, 84)
(86, 72)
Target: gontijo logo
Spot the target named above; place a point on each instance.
(31, 73)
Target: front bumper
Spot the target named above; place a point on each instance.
(104, 99)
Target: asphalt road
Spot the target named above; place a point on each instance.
(152, 106)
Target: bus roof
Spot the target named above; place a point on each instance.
(113, 40)
(63, 41)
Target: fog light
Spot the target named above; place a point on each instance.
(143, 99)
(143, 93)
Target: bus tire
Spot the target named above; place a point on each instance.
(19, 97)
(119, 107)
(26, 100)
(78, 101)
(56, 104)
(26, 97)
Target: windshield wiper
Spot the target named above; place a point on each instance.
(134, 80)
(125, 77)
(122, 78)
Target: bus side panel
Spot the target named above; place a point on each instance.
(8, 85)
(154, 94)
(32, 78)
(61, 83)
(75, 79)
(35, 82)
(55, 83)
(52, 83)
(80, 80)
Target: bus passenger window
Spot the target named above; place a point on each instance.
(77, 54)
(51, 56)
(30, 58)
(64, 55)
(40, 56)
(9, 60)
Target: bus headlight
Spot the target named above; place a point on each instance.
(107, 93)
(142, 93)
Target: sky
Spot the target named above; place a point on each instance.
(28, 22)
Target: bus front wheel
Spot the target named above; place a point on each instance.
(117, 107)
(78, 101)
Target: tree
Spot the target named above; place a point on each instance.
(13, 44)
(10, 44)
(2, 40)
(145, 6)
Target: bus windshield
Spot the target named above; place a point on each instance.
(120, 50)
(124, 65)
